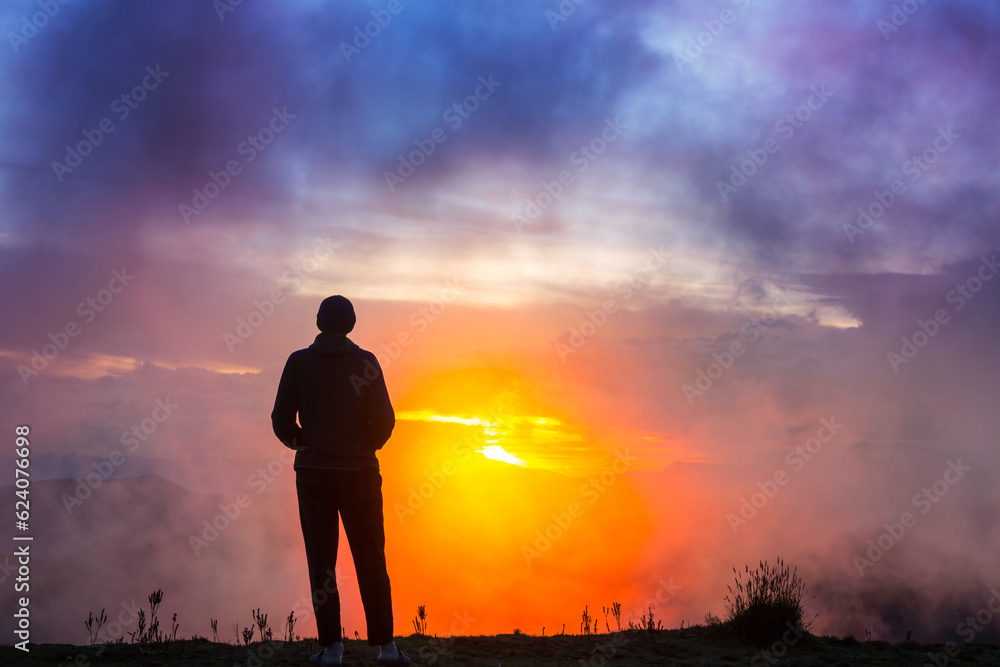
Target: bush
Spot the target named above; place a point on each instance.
(766, 603)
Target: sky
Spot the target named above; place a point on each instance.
(659, 290)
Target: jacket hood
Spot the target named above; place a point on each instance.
(336, 314)
(332, 344)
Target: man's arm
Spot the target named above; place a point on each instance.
(381, 418)
(286, 407)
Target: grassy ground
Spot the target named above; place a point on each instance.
(691, 646)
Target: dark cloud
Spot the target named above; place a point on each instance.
(223, 78)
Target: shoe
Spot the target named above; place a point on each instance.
(400, 659)
(322, 658)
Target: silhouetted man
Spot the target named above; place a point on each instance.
(344, 416)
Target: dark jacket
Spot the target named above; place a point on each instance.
(343, 407)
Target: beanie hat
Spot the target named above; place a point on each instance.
(336, 314)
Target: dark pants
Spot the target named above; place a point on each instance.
(357, 496)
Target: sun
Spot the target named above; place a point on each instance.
(501, 422)
(493, 432)
(498, 453)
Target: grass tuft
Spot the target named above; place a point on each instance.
(420, 622)
(765, 602)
